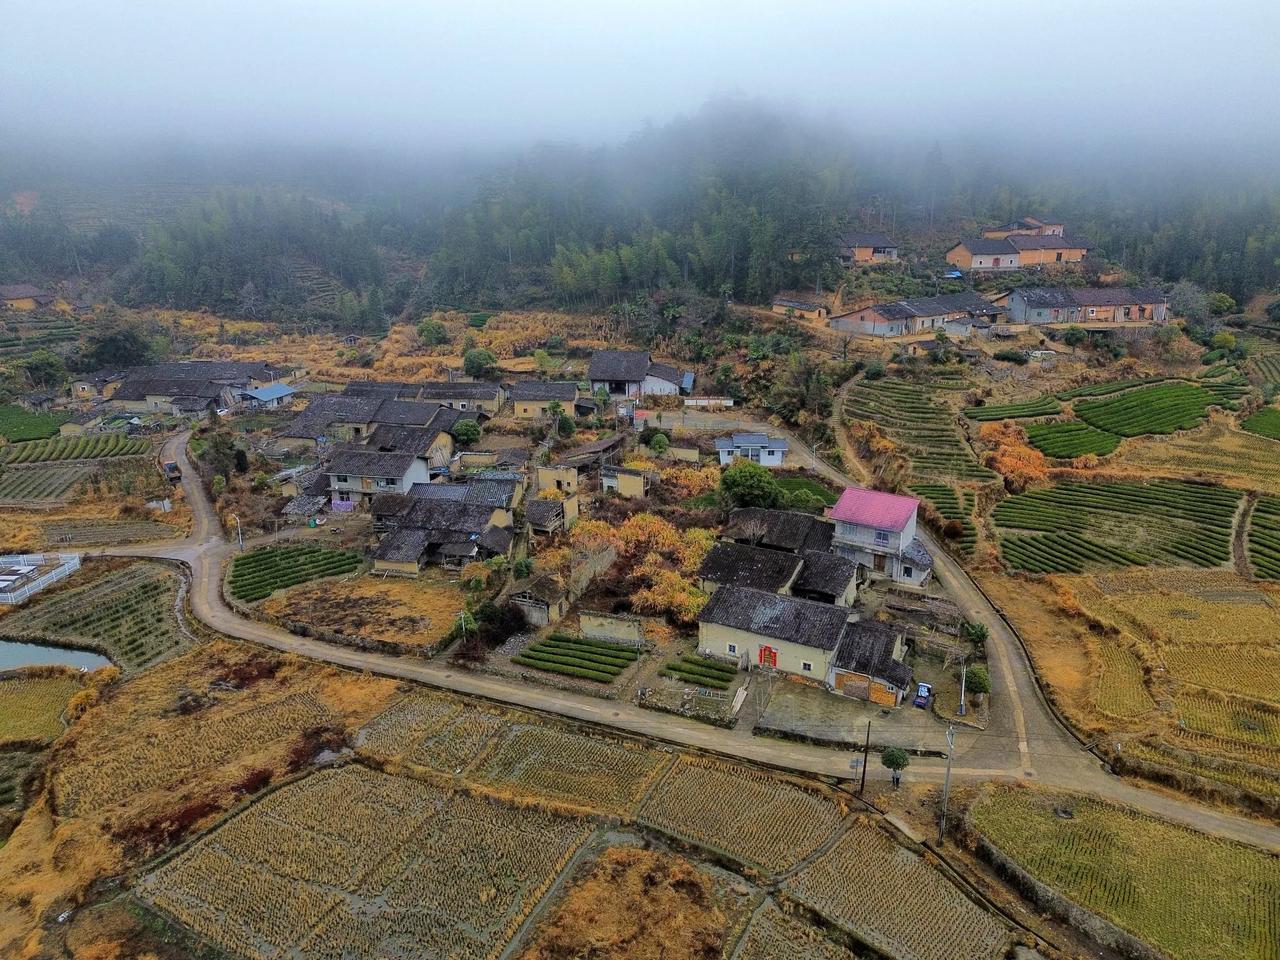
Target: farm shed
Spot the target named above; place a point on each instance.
(542, 600)
(625, 482)
(778, 529)
(870, 663)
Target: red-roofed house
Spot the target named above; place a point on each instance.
(878, 531)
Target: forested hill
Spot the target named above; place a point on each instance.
(734, 200)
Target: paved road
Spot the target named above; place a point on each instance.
(1023, 734)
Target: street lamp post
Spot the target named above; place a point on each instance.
(239, 533)
(964, 674)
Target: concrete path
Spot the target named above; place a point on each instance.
(1023, 739)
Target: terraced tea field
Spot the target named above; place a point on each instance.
(98, 446)
(702, 671)
(259, 573)
(1078, 526)
(31, 707)
(952, 505)
(1216, 451)
(579, 657)
(18, 423)
(907, 910)
(351, 862)
(1040, 407)
(921, 424)
(84, 532)
(1264, 359)
(1107, 388)
(1192, 896)
(1264, 423)
(1067, 439)
(1162, 408)
(1264, 538)
(41, 484)
(128, 615)
(23, 335)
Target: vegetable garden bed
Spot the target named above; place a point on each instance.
(17, 423)
(702, 671)
(579, 657)
(258, 574)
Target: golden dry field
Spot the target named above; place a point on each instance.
(1216, 451)
(412, 613)
(1189, 895)
(31, 707)
(161, 755)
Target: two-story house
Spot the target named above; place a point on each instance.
(357, 474)
(878, 531)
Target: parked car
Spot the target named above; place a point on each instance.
(924, 693)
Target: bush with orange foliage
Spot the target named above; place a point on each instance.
(1021, 464)
(686, 482)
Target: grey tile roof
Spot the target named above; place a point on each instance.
(779, 529)
(969, 303)
(563, 390)
(620, 365)
(381, 389)
(799, 303)
(918, 556)
(392, 438)
(543, 513)
(367, 462)
(1044, 298)
(665, 371)
(806, 622)
(866, 646)
(825, 573)
(228, 370)
(988, 247)
(739, 441)
(1020, 241)
(866, 240)
(402, 545)
(323, 412)
(745, 566)
(490, 493)
(461, 390)
(404, 412)
(139, 388)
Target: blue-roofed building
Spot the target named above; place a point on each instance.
(274, 396)
(757, 447)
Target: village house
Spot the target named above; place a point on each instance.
(357, 474)
(430, 443)
(24, 296)
(857, 249)
(190, 387)
(423, 531)
(86, 421)
(337, 418)
(757, 447)
(575, 467)
(765, 629)
(811, 575)
(808, 306)
(546, 517)
(633, 373)
(628, 483)
(788, 530)
(275, 396)
(1016, 252)
(1027, 227)
(1086, 305)
(532, 399)
(382, 389)
(950, 313)
(476, 397)
(101, 384)
(878, 531)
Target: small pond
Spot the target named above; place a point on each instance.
(14, 654)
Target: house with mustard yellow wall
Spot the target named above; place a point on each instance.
(24, 296)
(626, 482)
(1016, 252)
(808, 307)
(532, 399)
(1026, 227)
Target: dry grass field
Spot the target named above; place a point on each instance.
(1216, 451)
(415, 614)
(161, 755)
(1191, 896)
(31, 707)
(1177, 666)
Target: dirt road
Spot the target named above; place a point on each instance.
(1023, 741)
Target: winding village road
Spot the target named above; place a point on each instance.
(1024, 740)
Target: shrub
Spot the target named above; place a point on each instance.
(660, 444)
(478, 363)
(977, 680)
(895, 758)
(1009, 355)
(466, 431)
(874, 370)
(432, 333)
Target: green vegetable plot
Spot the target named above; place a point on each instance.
(257, 575)
(578, 657)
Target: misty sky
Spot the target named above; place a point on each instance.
(480, 73)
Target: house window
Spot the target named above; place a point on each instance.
(341, 478)
(1093, 312)
(344, 496)
(806, 666)
(733, 648)
(907, 572)
(882, 538)
(890, 688)
(462, 405)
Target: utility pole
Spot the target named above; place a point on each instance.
(239, 533)
(946, 784)
(866, 751)
(964, 674)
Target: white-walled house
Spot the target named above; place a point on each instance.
(633, 373)
(878, 531)
(757, 447)
(358, 474)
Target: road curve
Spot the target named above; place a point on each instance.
(1020, 732)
